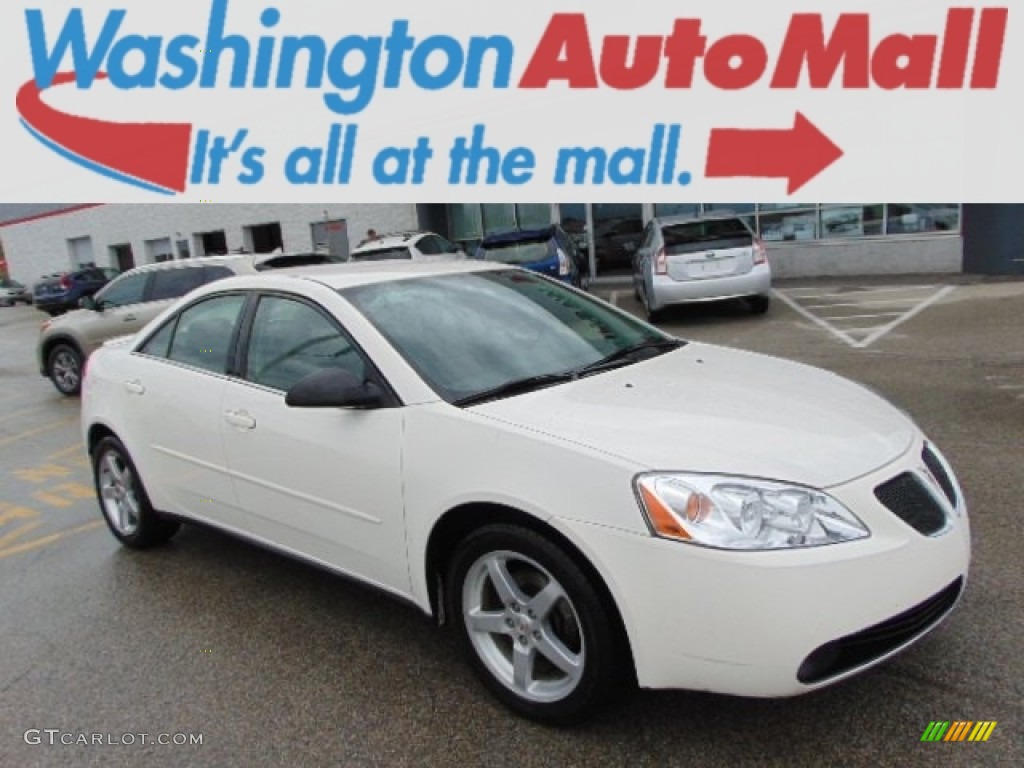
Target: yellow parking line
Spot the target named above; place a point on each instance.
(37, 431)
(76, 448)
(28, 546)
(17, 533)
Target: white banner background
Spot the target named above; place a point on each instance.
(926, 146)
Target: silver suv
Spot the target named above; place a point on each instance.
(134, 298)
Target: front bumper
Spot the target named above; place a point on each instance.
(663, 291)
(771, 624)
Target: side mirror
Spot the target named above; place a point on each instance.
(90, 303)
(334, 388)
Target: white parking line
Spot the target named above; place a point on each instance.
(821, 323)
(882, 332)
(874, 334)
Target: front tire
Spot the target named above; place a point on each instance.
(532, 625)
(123, 500)
(64, 367)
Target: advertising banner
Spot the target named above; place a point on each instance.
(236, 101)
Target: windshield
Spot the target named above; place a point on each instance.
(702, 235)
(471, 333)
(518, 252)
(383, 254)
(296, 260)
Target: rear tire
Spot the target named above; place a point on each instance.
(64, 367)
(653, 315)
(759, 305)
(123, 500)
(532, 626)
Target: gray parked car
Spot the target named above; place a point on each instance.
(12, 292)
(683, 260)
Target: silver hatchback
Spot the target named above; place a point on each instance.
(684, 260)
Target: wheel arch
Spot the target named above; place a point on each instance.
(457, 523)
(54, 341)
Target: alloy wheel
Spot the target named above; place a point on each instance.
(524, 626)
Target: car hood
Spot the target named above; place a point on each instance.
(710, 409)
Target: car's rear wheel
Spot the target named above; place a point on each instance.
(759, 305)
(532, 624)
(652, 315)
(64, 366)
(123, 500)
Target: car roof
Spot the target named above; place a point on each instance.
(352, 274)
(207, 261)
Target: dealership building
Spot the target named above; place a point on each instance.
(806, 240)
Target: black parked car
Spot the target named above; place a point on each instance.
(56, 294)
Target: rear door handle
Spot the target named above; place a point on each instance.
(135, 387)
(240, 419)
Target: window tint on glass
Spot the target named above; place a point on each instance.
(172, 283)
(429, 246)
(384, 254)
(126, 290)
(291, 340)
(159, 343)
(701, 235)
(467, 334)
(205, 331)
(211, 274)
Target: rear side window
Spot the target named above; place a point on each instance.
(172, 283)
(384, 254)
(204, 332)
(212, 274)
(701, 235)
(429, 246)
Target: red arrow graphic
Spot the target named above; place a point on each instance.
(153, 152)
(798, 154)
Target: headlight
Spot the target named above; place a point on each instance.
(742, 513)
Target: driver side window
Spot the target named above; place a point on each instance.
(124, 291)
(291, 340)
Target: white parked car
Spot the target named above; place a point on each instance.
(408, 246)
(586, 500)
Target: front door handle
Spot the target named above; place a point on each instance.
(240, 419)
(129, 318)
(135, 387)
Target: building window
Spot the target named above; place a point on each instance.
(663, 210)
(789, 226)
(211, 243)
(263, 238)
(122, 257)
(158, 250)
(839, 221)
(80, 250)
(915, 218)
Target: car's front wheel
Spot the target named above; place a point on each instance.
(126, 507)
(532, 624)
(64, 366)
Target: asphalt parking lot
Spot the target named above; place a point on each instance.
(272, 662)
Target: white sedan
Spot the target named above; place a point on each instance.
(587, 501)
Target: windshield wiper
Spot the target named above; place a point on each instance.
(518, 387)
(533, 383)
(625, 355)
